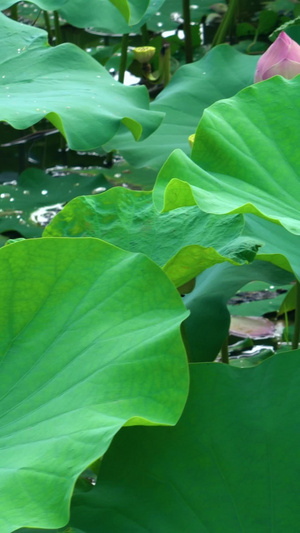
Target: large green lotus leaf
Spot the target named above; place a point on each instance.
(90, 340)
(112, 16)
(220, 74)
(184, 242)
(109, 20)
(68, 87)
(28, 205)
(245, 157)
(279, 246)
(229, 465)
(208, 324)
(132, 10)
(48, 5)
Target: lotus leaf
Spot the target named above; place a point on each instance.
(208, 324)
(114, 16)
(184, 242)
(69, 88)
(192, 88)
(228, 465)
(244, 159)
(90, 341)
(279, 246)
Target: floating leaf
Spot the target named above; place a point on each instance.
(28, 205)
(281, 5)
(170, 14)
(257, 299)
(123, 173)
(261, 354)
(90, 340)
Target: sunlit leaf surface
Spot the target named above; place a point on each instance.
(245, 157)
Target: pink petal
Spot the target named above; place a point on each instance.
(294, 51)
(275, 53)
(282, 50)
(288, 69)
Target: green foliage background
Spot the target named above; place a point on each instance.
(113, 313)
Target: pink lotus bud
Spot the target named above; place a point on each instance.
(282, 57)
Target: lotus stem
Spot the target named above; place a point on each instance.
(226, 23)
(14, 12)
(286, 329)
(187, 31)
(48, 25)
(224, 352)
(58, 35)
(123, 60)
(145, 35)
(295, 341)
(164, 64)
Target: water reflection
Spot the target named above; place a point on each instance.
(44, 215)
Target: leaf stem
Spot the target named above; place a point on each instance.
(224, 352)
(123, 61)
(145, 35)
(47, 24)
(164, 64)
(14, 12)
(295, 341)
(226, 23)
(187, 31)
(58, 35)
